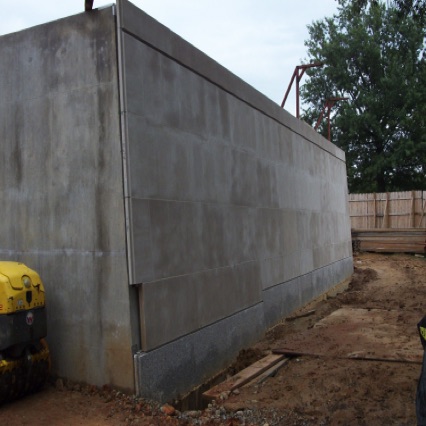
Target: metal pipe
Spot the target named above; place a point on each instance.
(297, 74)
(288, 89)
(329, 103)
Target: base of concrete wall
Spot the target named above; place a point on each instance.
(283, 299)
(170, 371)
(175, 368)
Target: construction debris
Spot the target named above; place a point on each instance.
(243, 377)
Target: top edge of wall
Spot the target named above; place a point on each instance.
(106, 9)
(140, 25)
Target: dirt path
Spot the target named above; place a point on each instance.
(335, 391)
(307, 390)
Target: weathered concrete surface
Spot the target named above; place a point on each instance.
(61, 188)
(222, 211)
(237, 208)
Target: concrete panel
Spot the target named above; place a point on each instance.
(167, 81)
(152, 33)
(31, 172)
(240, 234)
(174, 369)
(85, 346)
(154, 154)
(176, 238)
(142, 261)
(21, 69)
(202, 170)
(179, 238)
(214, 174)
(302, 289)
(62, 190)
(186, 303)
(173, 303)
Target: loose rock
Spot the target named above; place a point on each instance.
(168, 410)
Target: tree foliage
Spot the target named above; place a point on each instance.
(375, 55)
(414, 8)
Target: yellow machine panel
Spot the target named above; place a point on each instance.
(20, 288)
(24, 354)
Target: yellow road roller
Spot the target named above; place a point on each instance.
(24, 355)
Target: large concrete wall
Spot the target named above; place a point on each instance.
(173, 212)
(62, 192)
(237, 211)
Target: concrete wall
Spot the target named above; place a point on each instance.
(238, 211)
(62, 192)
(173, 212)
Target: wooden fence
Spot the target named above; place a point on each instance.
(388, 210)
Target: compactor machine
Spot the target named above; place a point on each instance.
(24, 355)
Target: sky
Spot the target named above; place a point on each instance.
(259, 41)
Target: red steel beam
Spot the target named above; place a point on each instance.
(297, 74)
(329, 103)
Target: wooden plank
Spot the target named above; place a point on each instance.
(268, 373)
(392, 240)
(387, 230)
(375, 211)
(391, 235)
(409, 240)
(243, 377)
(381, 215)
(371, 208)
(355, 356)
(422, 215)
(389, 248)
(385, 222)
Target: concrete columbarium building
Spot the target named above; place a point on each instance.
(172, 211)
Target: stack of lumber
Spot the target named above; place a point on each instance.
(388, 240)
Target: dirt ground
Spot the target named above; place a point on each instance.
(307, 390)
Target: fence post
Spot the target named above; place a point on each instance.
(423, 213)
(375, 211)
(385, 212)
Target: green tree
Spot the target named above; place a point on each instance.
(414, 8)
(375, 56)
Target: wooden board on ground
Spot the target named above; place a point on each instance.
(270, 372)
(244, 376)
(373, 334)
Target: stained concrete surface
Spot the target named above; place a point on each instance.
(236, 206)
(62, 192)
(173, 211)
